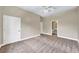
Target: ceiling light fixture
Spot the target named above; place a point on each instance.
(47, 9)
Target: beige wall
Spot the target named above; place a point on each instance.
(30, 23)
(1, 27)
(78, 21)
(67, 24)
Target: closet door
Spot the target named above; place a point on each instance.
(11, 29)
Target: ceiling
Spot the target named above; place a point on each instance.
(46, 10)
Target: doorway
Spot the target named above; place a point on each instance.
(11, 29)
(54, 27)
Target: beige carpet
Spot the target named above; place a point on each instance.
(42, 44)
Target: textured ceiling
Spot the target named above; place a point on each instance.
(40, 9)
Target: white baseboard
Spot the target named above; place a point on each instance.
(69, 38)
(30, 37)
(19, 40)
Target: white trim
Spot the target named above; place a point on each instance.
(19, 40)
(69, 38)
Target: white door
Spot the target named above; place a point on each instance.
(11, 29)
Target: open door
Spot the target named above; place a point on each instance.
(54, 28)
(11, 29)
